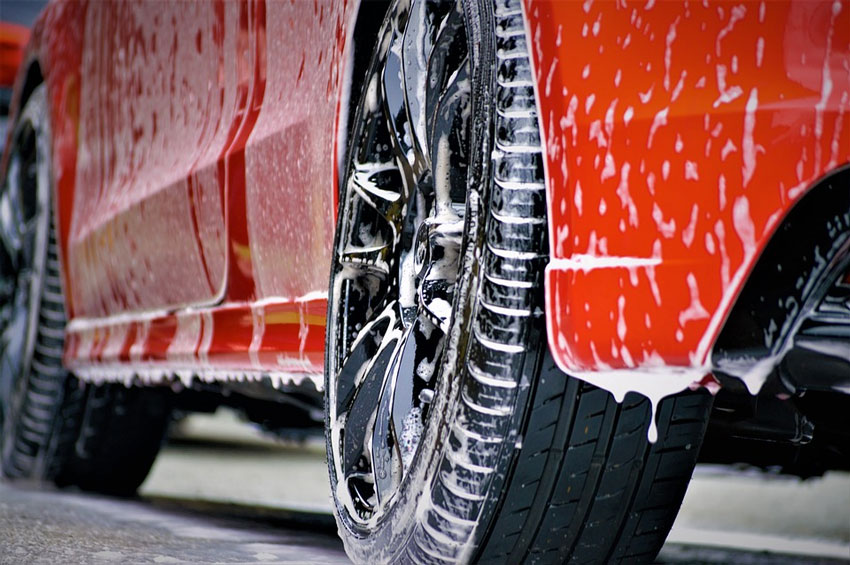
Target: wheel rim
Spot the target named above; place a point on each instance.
(396, 260)
(23, 233)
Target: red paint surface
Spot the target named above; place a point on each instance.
(195, 169)
(251, 73)
(193, 157)
(161, 92)
(277, 337)
(289, 164)
(678, 134)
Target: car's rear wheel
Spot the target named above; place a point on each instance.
(452, 436)
(53, 426)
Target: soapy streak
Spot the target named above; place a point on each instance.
(148, 374)
(79, 325)
(655, 383)
(586, 263)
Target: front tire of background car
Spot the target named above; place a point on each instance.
(452, 436)
(52, 425)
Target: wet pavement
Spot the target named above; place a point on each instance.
(219, 493)
(50, 528)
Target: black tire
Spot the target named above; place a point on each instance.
(516, 462)
(53, 426)
(118, 438)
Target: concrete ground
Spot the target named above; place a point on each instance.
(221, 493)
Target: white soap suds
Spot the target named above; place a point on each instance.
(748, 147)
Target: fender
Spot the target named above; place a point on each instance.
(677, 137)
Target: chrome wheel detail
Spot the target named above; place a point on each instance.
(399, 236)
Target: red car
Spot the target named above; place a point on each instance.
(535, 258)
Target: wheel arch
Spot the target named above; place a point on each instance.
(806, 254)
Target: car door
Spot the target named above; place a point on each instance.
(163, 93)
(290, 156)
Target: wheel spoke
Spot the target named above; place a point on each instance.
(414, 363)
(8, 268)
(374, 257)
(385, 457)
(398, 421)
(413, 58)
(355, 365)
(19, 218)
(370, 378)
(364, 406)
(14, 331)
(440, 62)
(27, 242)
(449, 143)
(375, 143)
(381, 187)
(394, 101)
(371, 229)
(426, 17)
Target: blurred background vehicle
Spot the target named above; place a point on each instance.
(16, 17)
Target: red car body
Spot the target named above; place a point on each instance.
(676, 144)
(196, 221)
(196, 151)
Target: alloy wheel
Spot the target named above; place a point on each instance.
(400, 231)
